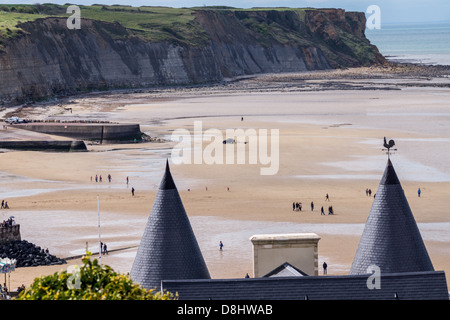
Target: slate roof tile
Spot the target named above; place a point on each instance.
(407, 285)
(391, 239)
(168, 248)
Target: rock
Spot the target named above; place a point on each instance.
(27, 254)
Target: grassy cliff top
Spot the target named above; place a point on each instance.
(179, 25)
(144, 20)
(155, 23)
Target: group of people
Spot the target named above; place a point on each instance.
(4, 292)
(297, 206)
(330, 210)
(98, 178)
(104, 248)
(8, 223)
(20, 288)
(368, 192)
(4, 205)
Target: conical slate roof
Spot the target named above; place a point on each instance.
(168, 248)
(391, 239)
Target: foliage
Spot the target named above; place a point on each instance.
(95, 282)
(178, 25)
(153, 23)
(362, 50)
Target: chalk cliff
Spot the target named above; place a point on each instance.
(48, 59)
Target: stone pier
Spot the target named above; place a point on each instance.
(8, 234)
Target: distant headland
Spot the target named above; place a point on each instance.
(119, 47)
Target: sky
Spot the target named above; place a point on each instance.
(392, 11)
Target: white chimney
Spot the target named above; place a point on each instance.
(272, 250)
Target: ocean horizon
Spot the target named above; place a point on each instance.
(424, 43)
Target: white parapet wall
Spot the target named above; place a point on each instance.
(272, 250)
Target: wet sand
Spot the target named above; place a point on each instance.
(330, 141)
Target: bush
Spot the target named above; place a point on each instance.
(92, 281)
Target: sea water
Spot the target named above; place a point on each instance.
(426, 43)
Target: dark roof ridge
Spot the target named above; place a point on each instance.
(167, 182)
(310, 278)
(389, 176)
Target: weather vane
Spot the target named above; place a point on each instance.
(388, 146)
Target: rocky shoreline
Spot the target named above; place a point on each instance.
(390, 76)
(28, 254)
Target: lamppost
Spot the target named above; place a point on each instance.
(99, 237)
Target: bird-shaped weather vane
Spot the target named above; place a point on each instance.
(388, 146)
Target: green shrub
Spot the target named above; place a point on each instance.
(92, 282)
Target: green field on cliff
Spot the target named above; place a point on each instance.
(150, 22)
(178, 25)
(153, 23)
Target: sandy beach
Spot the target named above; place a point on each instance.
(331, 126)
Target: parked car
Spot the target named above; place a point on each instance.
(13, 120)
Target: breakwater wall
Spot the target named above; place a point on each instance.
(9, 234)
(104, 132)
(49, 146)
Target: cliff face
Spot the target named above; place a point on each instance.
(53, 60)
(48, 59)
(242, 43)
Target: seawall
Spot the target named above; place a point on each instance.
(105, 132)
(48, 146)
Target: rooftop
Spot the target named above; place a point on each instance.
(401, 286)
(168, 248)
(391, 239)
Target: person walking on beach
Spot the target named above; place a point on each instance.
(321, 211)
(419, 192)
(327, 198)
(109, 177)
(312, 206)
(132, 191)
(293, 206)
(3, 204)
(105, 249)
(220, 246)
